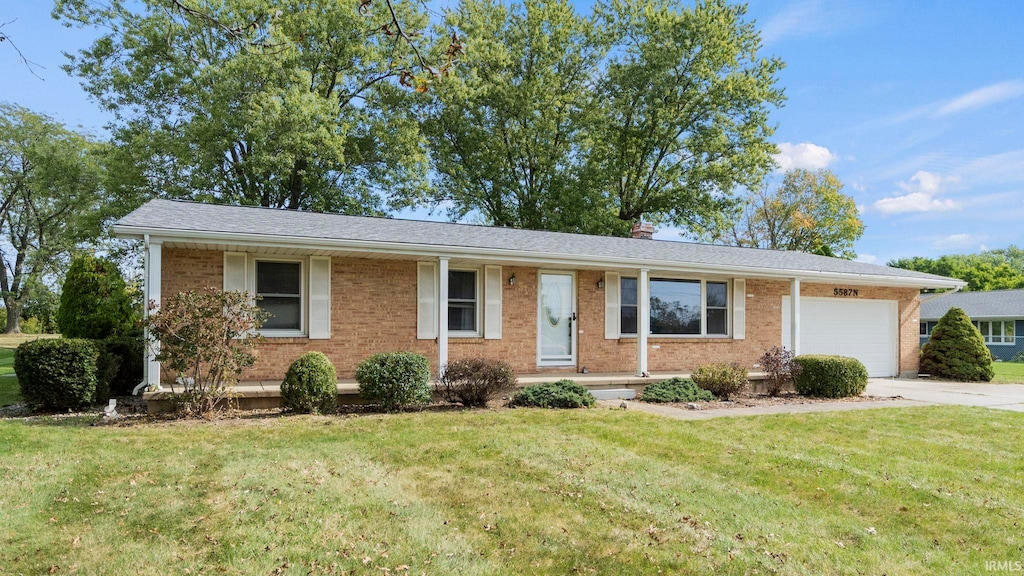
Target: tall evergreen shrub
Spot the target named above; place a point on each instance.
(956, 350)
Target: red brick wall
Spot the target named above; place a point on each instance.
(373, 309)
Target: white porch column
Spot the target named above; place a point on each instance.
(643, 319)
(442, 315)
(794, 316)
(151, 290)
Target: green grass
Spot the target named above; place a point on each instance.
(9, 391)
(1009, 372)
(518, 491)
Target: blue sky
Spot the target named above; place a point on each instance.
(917, 106)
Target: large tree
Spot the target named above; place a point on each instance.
(51, 201)
(506, 131)
(1001, 269)
(682, 110)
(282, 103)
(643, 111)
(807, 212)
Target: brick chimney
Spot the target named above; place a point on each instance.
(642, 230)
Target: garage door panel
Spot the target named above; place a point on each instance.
(863, 329)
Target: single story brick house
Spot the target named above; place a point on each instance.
(546, 302)
(998, 314)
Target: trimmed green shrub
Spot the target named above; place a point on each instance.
(474, 381)
(830, 376)
(94, 302)
(394, 380)
(310, 385)
(722, 380)
(57, 374)
(1018, 357)
(561, 394)
(957, 351)
(120, 365)
(676, 390)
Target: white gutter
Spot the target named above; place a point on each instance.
(934, 296)
(550, 259)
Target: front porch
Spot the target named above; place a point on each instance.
(257, 395)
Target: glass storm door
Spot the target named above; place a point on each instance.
(557, 319)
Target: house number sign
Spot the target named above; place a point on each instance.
(847, 292)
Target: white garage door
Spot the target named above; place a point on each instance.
(864, 329)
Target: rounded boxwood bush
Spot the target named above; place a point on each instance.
(561, 394)
(722, 380)
(394, 380)
(957, 351)
(676, 390)
(57, 374)
(830, 376)
(310, 385)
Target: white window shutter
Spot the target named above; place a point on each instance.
(319, 297)
(611, 305)
(492, 302)
(739, 308)
(236, 272)
(426, 300)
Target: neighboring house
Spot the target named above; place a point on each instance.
(352, 286)
(999, 316)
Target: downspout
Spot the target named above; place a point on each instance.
(145, 314)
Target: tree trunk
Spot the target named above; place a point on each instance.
(13, 320)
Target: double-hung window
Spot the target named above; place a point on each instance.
(678, 307)
(627, 306)
(996, 331)
(463, 303)
(279, 293)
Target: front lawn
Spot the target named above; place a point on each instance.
(895, 491)
(1008, 372)
(9, 390)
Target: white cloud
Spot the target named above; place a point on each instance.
(867, 258)
(803, 155)
(954, 242)
(793, 20)
(914, 202)
(925, 182)
(920, 190)
(812, 18)
(982, 97)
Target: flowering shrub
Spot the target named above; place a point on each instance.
(206, 339)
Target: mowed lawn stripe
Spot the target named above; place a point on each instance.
(522, 491)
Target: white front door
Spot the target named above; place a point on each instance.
(556, 319)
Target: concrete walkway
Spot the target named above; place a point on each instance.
(1000, 396)
(917, 392)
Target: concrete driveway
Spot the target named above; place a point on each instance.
(1001, 396)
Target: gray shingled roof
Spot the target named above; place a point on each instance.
(994, 304)
(178, 217)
